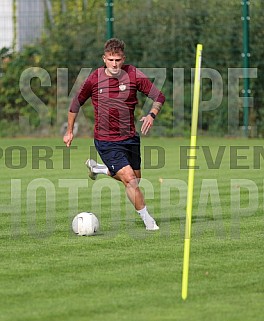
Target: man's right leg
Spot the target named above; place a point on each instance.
(95, 168)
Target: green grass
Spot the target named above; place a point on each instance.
(125, 273)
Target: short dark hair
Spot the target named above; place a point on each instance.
(114, 45)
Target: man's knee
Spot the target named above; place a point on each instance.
(130, 180)
(128, 177)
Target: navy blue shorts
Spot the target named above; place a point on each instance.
(117, 155)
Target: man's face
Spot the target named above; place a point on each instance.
(113, 62)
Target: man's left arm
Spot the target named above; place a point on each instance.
(150, 90)
(148, 120)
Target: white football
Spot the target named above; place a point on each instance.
(85, 224)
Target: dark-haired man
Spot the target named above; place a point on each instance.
(113, 89)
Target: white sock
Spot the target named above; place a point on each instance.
(100, 169)
(147, 219)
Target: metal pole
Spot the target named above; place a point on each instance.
(246, 55)
(109, 19)
(188, 224)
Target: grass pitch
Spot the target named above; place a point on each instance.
(124, 272)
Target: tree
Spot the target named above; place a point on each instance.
(157, 34)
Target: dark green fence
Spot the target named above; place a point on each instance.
(159, 35)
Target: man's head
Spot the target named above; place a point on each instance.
(114, 56)
(114, 46)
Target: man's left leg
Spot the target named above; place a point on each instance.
(130, 179)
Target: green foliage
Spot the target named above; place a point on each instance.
(158, 34)
(12, 104)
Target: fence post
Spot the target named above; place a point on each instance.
(109, 19)
(245, 54)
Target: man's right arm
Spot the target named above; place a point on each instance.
(84, 93)
(68, 137)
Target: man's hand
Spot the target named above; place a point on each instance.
(147, 124)
(68, 137)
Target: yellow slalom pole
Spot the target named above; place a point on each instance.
(192, 157)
